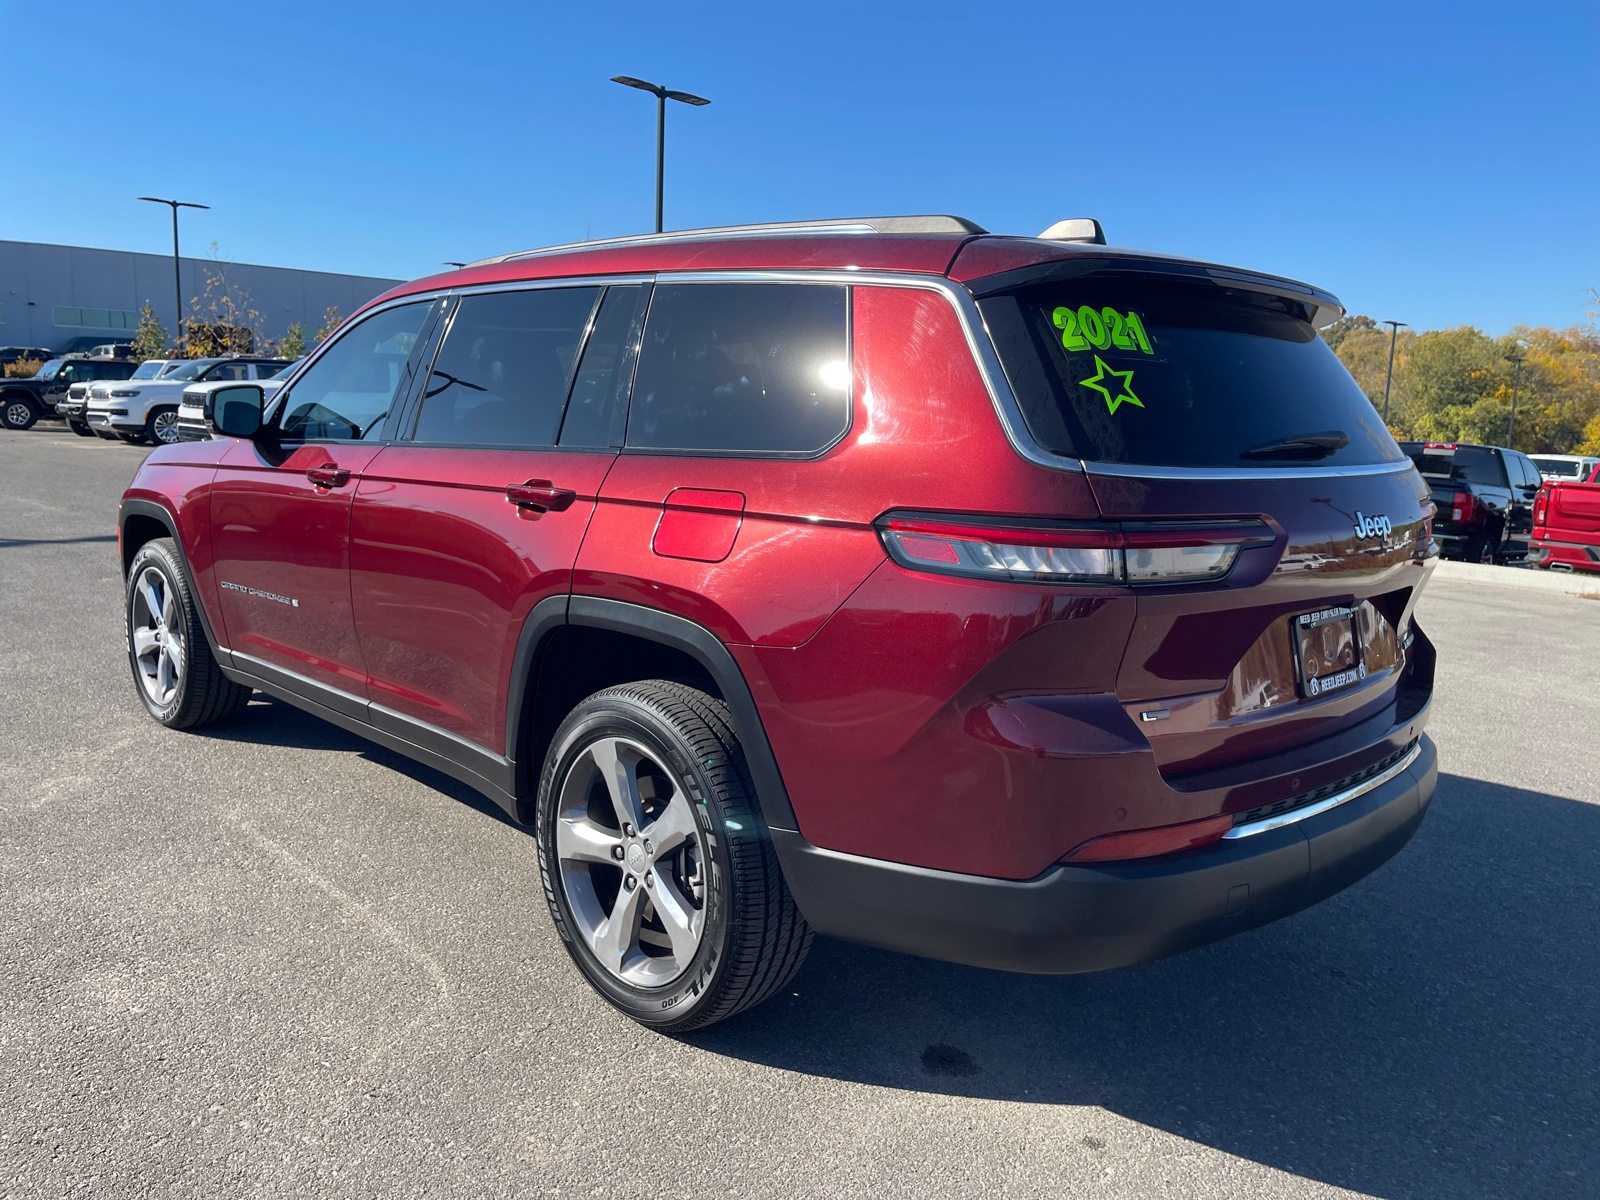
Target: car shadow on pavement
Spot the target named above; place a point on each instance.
(273, 722)
(1432, 1032)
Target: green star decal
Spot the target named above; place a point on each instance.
(1124, 385)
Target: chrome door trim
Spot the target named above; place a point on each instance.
(1322, 806)
(979, 343)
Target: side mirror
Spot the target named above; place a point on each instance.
(235, 411)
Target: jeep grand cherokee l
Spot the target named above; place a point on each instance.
(1019, 602)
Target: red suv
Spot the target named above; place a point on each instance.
(1019, 602)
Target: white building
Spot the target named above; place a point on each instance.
(53, 296)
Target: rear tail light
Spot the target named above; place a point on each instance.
(1045, 552)
(1540, 504)
(1147, 843)
(1464, 508)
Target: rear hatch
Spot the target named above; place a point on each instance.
(1198, 398)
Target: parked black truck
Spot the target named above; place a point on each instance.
(1485, 499)
(24, 401)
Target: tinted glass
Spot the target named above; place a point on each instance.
(347, 392)
(1470, 464)
(1560, 469)
(229, 371)
(501, 376)
(148, 369)
(746, 366)
(600, 391)
(50, 370)
(189, 370)
(1530, 473)
(1163, 373)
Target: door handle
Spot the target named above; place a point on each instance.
(540, 495)
(328, 476)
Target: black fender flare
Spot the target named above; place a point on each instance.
(160, 512)
(670, 630)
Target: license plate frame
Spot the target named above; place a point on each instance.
(1327, 650)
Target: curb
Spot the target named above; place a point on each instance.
(1571, 583)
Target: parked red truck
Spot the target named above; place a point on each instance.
(1566, 526)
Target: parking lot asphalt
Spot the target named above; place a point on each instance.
(273, 959)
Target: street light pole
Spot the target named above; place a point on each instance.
(662, 95)
(1516, 383)
(177, 280)
(1394, 332)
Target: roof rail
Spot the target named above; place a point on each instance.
(933, 223)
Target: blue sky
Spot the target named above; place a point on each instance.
(1435, 163)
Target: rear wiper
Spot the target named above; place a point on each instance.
(1307, 445)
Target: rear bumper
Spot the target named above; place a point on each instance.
(1580, 556)
(1074, 919)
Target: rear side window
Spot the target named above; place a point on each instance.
(755, 367)
(501, 376)
(600, 392)
(1469, 464)
(1165, 373)
(347, 392)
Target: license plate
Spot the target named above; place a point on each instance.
(1327, 651)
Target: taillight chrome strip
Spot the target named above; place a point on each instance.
(1322, 806)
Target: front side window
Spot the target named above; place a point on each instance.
(148, 370)
(228, 371)
(189, 370)
(1168, 373)
(348, 391)
(501, 376)
(755, 367)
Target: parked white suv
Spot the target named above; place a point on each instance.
(1574, 468)
(73, 409)
(149, 410)
(192, 409)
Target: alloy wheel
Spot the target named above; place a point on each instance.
(158, 649)
(165, 427)
(631, 863)
(17, 415)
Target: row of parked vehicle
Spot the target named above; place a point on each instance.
(1497, 505)
(117, 398)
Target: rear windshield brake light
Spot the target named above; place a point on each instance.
(1131, 552)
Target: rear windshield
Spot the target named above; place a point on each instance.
(148, 369)
(1560, 468)
(1173, 374)
(1469, 464)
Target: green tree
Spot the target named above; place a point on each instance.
(1336, 333)
(149, 336)
(293, 342)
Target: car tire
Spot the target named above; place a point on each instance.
(1480, 547)
(133, 439)
(79, 428)
(686, 927)
(161, 427)
(177, 677)
(17, 412)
